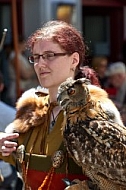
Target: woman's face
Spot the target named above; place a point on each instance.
(53, 71)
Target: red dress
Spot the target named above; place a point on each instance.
(40, 173)
(36, 178)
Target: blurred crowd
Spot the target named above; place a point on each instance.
(9, 177)
(112, 78)
(8, 66)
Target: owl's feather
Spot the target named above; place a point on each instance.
(94, 133)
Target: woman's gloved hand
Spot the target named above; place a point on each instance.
(77, 185)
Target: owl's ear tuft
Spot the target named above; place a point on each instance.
(83, 81)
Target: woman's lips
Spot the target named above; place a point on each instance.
(45, 73)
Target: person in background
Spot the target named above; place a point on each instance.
(8, 174)
(100, 64)
(4, 69)
(117, 78)
(7, 113)
(57, 53)
(123, 113)
(27, 76)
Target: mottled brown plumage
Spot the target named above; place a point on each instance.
(94, 134)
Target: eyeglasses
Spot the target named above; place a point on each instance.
(49, 56)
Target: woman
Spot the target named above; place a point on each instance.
(58, 51)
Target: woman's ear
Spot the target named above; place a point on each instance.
(75, 59)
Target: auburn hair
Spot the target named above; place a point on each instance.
(62, 33)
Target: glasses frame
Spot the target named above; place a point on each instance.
(44, 56)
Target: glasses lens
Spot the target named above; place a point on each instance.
(48, 56)
(34, 58)
(31, 59)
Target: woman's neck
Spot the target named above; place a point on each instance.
(53, 94)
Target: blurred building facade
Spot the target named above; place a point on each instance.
(102, 22)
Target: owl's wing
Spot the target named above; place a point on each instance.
(99, 144)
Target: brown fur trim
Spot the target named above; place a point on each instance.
(31, 111)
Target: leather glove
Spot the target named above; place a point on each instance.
(77, 185)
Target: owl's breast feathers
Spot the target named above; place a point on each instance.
(92, 110)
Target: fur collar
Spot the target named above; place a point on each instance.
(31, 108)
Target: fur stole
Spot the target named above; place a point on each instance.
(31, 108)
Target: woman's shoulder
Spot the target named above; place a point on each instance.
(37, 96)
(31, 109)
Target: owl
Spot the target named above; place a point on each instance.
(94, 134)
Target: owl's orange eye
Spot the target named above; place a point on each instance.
(71, 91)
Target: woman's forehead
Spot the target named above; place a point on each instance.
(46, 45)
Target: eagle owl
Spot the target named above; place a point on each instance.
(94, 134)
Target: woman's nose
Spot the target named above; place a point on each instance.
(42, 62)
